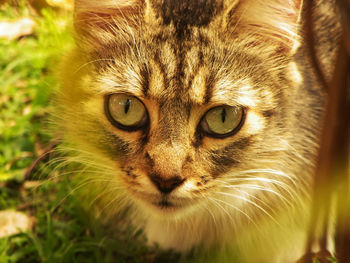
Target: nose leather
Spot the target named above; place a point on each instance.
(166, 184)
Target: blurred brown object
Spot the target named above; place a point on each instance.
(344, 7)
(15, 29)
(332, 172)
(38, 4)
(342, 78)
(10, 2)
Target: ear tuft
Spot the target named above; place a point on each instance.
(99, 21)
(274, 20)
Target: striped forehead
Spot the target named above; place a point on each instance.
(171, 70)
(177, 74)
(194, 83)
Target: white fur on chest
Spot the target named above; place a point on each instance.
(266, 241)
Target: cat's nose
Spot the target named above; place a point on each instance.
(166, 184)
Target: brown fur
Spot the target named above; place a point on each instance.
(249, 191)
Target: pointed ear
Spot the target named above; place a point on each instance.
(275, 21)
(98, 22)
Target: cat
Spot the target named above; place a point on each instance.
(200, 118)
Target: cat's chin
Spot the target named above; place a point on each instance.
(164, 207)
(167, 207)
(169, 211)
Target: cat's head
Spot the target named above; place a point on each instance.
(178, 104)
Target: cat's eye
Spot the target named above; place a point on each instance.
(222, 121)
(126, 112)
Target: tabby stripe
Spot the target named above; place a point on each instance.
(268, 113)
(114, 145)
(145, 80)
(197, 90)
(209, 88)
(225, 158)
(163, 70)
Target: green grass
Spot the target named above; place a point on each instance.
(25, 85)
(62, 232)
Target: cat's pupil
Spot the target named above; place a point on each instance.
(223, 115)
(127, 106)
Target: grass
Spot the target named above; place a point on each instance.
(25, 89)
(61, 232)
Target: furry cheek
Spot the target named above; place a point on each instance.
(254, 123)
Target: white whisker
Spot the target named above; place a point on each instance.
(250, 202)
(236, 208)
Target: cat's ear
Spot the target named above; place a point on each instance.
(98, 22)
(276, 21)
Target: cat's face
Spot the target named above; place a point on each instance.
(201, 115)
(186, 110)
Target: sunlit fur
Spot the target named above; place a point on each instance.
(247, 193)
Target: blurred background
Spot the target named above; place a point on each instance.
(33, 35)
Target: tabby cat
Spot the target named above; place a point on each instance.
(200, 118)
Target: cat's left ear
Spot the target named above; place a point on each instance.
(273, 21)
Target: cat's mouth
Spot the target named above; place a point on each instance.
(164, 203)
(167, 204)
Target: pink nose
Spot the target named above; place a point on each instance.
(166, 185)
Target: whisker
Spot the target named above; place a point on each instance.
(268, 171)
(91, 62)
(104, 193)
(236, 208)
(250, 202)
(261, 188)
(216, 203)
(113, 200)
(292, 192)
(83, 183)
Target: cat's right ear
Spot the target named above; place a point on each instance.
(98, 22)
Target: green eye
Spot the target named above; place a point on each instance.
(222, 121)
(125, 112)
